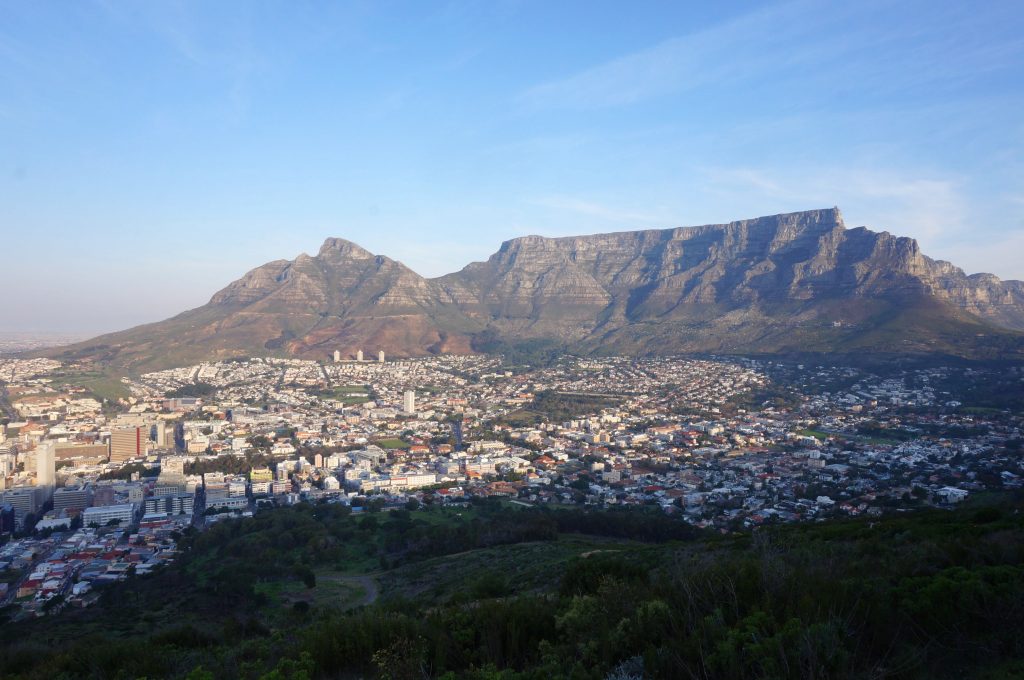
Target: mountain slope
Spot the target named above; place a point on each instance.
(793, 282)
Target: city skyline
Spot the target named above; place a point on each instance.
(155, 153)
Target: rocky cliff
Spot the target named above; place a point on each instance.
(793, 282)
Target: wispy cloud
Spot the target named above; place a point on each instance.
(600, 211)
(680, 63)
(793, 40)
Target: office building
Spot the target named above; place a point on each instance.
(89, 454)
(128, 443)
(46, 471)
(172, 504)
(24, 500)
(102, 515)
(71, 498)
(409, 401)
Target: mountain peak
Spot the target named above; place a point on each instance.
(338, 246)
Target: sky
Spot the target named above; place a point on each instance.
(152, 152)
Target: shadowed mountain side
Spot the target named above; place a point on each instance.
(793, 282)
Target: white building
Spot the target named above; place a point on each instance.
(409, 401)
(102, 515)
(46, 472)
(380, 356)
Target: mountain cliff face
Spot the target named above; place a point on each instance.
(794, 282)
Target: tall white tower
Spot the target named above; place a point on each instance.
(337, 355)
(46, 471)
(359, 355)
(380, 356)
(409, 402)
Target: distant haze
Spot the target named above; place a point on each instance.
(151, 153)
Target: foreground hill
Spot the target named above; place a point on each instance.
(498, 591)
(799, 282)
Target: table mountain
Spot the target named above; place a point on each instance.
(792, 282)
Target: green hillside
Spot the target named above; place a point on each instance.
(501, 591)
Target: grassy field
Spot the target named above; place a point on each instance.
(101, 385)
(333, 591)
(391, 443)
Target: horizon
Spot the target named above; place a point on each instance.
(154, 153)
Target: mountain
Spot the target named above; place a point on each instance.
(784, 283)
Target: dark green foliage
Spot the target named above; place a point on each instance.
(126, 471)
(199, 389)
(933, 594)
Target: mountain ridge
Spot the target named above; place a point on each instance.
(790, 282)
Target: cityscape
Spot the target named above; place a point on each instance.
(95, 487)
(511, 340)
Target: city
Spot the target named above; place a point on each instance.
(98, 489)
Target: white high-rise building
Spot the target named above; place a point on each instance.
(337, 355)
(46, 471)
(409, 402)
(380, 356)
(359, 355)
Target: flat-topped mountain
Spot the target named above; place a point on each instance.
(793, 282)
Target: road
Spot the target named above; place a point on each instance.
(5, 403)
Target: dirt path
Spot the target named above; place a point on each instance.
(368, 583)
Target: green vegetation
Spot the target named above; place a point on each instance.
(126, 471)
(233, 465)
(534, 352)
(199, 389)
(558, 407)
(347, 394)
(391, 443)
(492, 591)
(100, 384)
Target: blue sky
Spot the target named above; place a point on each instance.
(151, 152)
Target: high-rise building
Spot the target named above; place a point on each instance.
(161, 436)
(380, 356)
(409, 401)
(46, 471)
(128, 443)
(359, 355)
(337, 355)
